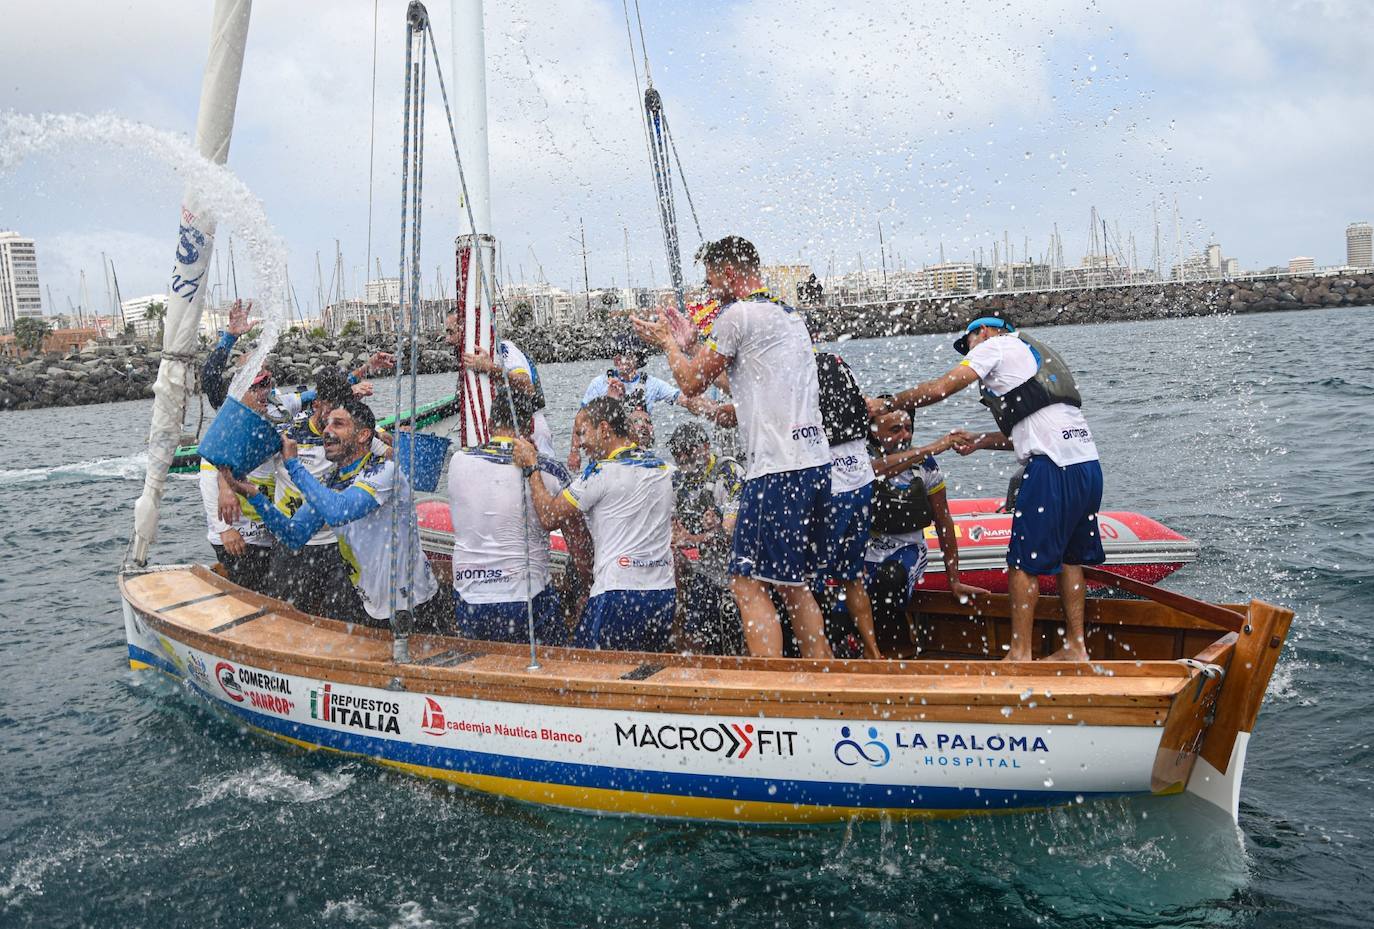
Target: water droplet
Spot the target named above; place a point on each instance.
(1006, 711)
(1049, 782)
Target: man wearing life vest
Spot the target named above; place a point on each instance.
(908, 498)
(1032, 396)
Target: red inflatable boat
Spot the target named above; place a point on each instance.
(1137, 546)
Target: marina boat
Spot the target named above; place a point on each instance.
(1137, 546)
(1165, 706)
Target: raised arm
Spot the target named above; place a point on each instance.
(928, 392)
(335, 507)
(552, 511)
(694, 372)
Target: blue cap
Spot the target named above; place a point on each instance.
(995, 321)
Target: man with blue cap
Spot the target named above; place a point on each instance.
(1032, 396)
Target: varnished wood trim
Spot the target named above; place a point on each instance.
(1252, 664)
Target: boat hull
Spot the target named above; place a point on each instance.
(748, 768)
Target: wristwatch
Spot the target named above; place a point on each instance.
(889, 402)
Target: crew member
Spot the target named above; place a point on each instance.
(626, 496)
(707, 487)
(764, 347)
(500, 550)
(908, 496)
(282, 407)
(242, 544)
(357, 497)
(851, 485)
(1032, 396)
(307, 576)
(514, 367)
(624, 381)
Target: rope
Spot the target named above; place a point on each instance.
(400, 635)
(487, 281)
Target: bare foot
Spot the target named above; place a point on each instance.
(1070, 653)
(1016, 654)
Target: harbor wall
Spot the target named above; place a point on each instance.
(126, 372)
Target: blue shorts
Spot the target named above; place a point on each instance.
(509, 622)
(627, 620)
(847, 533)
(780, 530)
(1056, 517)
(910, 559)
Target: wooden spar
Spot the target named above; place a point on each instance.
(1216, 615)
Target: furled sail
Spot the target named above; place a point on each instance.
(195, 241)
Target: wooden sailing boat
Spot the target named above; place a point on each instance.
(1166, 705)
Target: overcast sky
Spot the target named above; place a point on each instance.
(802, 124)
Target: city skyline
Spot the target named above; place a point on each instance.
(950, 130)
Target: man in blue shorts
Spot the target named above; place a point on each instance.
(763, 347)
(1031, 394)
(626, 496)
(500, 549)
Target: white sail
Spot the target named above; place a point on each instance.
(219, 92)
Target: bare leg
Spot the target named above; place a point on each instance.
(1073, 592)
(1025, 593)
(807, 622)
(762, 630)
(861, 608)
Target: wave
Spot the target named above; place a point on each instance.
(123, 468)
(273, 785)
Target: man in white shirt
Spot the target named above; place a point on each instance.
(1035, 402)
(626, 496)
(500, 549)
(625, 381)
(358, 497)
(764, 348)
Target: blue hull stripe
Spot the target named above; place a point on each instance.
(716, 786)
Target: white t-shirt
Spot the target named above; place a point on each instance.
(773, 380)
(514, 361)
(489, 542)
(1004, 362)
(850, 467)
(881, 545)
(250, 527)
(285, 495)
(366, 543)
(627, 500)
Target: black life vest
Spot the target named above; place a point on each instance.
(1053, 383)
(843, 411)
(898, 509)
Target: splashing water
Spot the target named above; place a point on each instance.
(221, 197)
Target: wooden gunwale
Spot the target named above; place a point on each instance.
(1127, 692)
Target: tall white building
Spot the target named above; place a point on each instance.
(1359, 245)
(20, 294)
(135, 314)
(383, 290)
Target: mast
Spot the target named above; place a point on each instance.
(475, 251)
(219, 91)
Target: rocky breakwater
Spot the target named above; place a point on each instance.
(111, 373)
(122, 372)
(1103, 304)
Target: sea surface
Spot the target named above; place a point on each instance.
(126, 801)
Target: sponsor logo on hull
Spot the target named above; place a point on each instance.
(338, 706)
(730, 740)
(939, 749)
(433, 721)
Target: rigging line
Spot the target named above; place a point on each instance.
(648, 78)
(397, 638)
(412, 538)
(682, 177)
(489, 281)
(372, 135)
